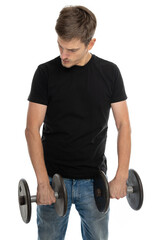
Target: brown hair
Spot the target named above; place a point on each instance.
(76, 22)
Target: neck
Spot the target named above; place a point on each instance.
(86, 59)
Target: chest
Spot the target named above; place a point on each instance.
(82, 90)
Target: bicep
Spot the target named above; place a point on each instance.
(35, 116)
(120, 113)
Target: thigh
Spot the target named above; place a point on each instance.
(94, 225)
(50, 225)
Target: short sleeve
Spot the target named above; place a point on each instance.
(118, 91)
(39, 87)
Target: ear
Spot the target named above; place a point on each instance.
(91, 43)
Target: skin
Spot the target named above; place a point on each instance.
(73, 53)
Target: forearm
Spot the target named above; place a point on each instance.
(35, 149)
(124, 151)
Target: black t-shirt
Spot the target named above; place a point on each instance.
(78, 103)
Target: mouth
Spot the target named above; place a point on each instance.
(65, 61)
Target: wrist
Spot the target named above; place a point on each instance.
(43, 181)
(42, 184)
(122, 175)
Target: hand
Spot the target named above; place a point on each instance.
(118, 188)
(45, 194)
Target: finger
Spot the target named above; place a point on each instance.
(113, 197)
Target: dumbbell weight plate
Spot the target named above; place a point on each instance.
(59, 187)
(135, 199)
(101, 192)
(24, 200)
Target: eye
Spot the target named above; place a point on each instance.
(73, 50)
(60, 46)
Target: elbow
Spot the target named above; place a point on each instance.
(31, 133)
(27, 133)
(126, 126)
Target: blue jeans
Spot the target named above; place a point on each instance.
(94, 225)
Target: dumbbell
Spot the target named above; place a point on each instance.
(25, 199)
(134, 191)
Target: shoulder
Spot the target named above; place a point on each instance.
(105, 64)
(106, 67)
(50, 65)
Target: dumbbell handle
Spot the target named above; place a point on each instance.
(130, 189)
(34, 198)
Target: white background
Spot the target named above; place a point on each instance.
(128, 35)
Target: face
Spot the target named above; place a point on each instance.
(73, 52)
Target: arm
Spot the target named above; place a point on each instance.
(35, 118)
(121, 116)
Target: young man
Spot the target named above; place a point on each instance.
(72, 95)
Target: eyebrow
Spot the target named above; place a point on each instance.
(69, 49)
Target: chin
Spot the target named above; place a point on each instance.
(67, 65)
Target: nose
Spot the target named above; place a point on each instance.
(64, 54)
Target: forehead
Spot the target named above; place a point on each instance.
(72, 44)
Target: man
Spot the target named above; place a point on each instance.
(72, 95)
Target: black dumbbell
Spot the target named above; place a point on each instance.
(25, 199)
(134, 191)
